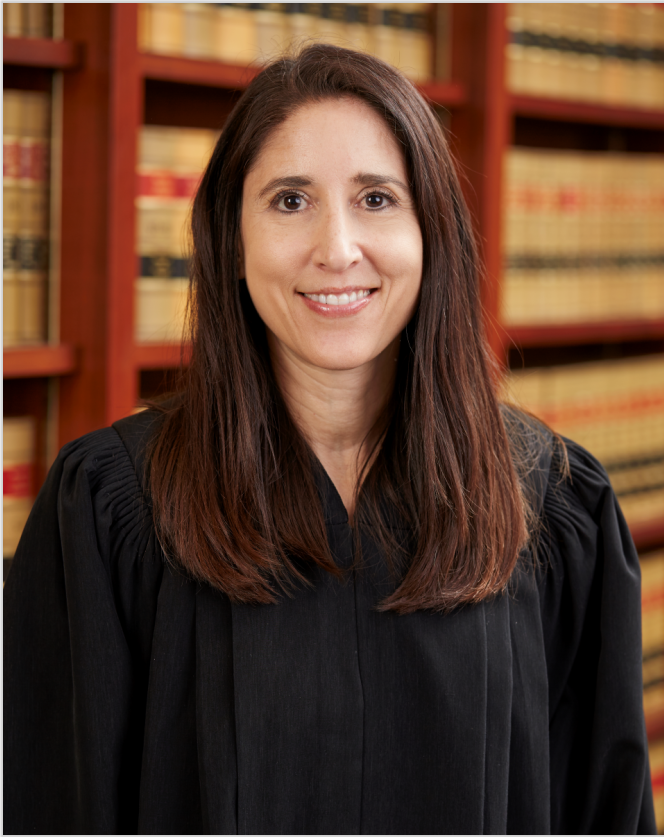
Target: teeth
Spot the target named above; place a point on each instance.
(342, 299)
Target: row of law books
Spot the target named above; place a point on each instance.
(583, 236)
(18, 462)
(605, 53)
(615, 409)
(25, 219)
(170, 164)
(652, 625)
(243, 33)
(27, 20)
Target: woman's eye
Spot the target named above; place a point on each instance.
(376, 201)
(290, 203)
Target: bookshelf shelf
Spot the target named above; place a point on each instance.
(237, 77)
(568, 111)
(41, 52)
(585, 333)
(196, 71)
(39, 361)
(160, 355)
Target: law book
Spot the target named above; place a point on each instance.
(582, 236)
(616, 410)
(11, 169)
(171, 161)
(18, 454)
(652, 629)
(34, 216)
(608, 53)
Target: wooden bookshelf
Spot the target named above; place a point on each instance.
(38, 361)
(585, 112)
(47, 53)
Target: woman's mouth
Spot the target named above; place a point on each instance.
(340, 304)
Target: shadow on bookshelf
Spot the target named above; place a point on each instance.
(584, 333)
(42, 52)
(569, 111)
(647, 535)
(39, 361)
(160, 355)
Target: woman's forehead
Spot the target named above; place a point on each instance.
(332, 135)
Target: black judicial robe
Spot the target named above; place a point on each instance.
(138, 700)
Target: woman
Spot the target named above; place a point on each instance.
(331, 587)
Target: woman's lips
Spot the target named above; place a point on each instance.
(338, 306)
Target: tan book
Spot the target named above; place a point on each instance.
(13, 25)
(18, 453)
(11, 214)
(198, 36)
(272, 31)
(235, 34)
(166, 28)
(38, 20)
(358, 31)
(33, 213)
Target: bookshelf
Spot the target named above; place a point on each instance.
(94, 372)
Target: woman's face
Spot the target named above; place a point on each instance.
(331, 243)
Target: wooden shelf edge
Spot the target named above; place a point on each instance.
(583, 333)
(160, 355)
(41, 52)
(648, 535)
(570, 111)
(446, 93)
(196, 71)
(236, 77)
(38, 361)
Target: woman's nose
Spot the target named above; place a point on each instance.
(337, 247)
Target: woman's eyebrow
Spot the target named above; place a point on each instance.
(369, 179)
(293, 181)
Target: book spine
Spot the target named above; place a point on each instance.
(11, 169)
(171, 161)
(34, 203)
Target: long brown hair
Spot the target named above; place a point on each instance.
(232, 479)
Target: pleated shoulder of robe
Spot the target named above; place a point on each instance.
(138, 700)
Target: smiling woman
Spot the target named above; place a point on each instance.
(331, 585)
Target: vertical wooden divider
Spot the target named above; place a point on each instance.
(480, 133)
(83, 234)
(126, 113)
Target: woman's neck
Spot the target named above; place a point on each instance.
(336, 410)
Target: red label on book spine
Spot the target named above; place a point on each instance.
(11, 157)
(16, 481)
(34, 160)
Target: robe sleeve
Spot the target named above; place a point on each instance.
(591, 613)
(76, 638)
